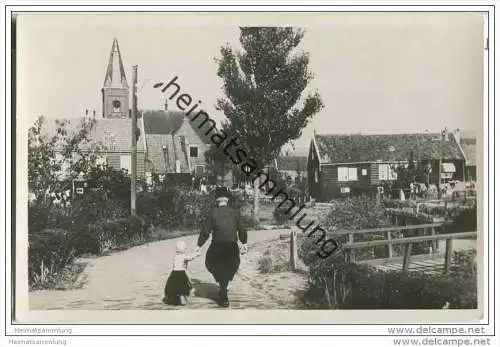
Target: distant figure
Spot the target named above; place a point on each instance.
(203, 185)
(401, 195)
(223, 255)
(178, 286)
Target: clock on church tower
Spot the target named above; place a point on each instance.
(116, 106)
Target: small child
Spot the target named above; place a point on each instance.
(178, 286)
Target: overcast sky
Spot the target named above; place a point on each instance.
(376, 72)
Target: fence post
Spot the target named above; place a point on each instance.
(389, 237)
(406, 259)
(293, 250)
(352, 258)
(447, 256)
(435, 244)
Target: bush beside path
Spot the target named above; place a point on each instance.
(135, 278)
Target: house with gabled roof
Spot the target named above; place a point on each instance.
(354, 164)
(113, 137)
(174, 143)
(292, 166)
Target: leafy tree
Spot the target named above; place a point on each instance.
(263, 86)
(218, 163)
(414, 172)
(55, 159)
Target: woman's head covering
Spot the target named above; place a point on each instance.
(180, 247)
(222, 196)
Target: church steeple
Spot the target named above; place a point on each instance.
(115, 93)
(115, 73)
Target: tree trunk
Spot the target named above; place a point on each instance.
(223, 178)
(255, 210)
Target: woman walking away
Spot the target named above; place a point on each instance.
(223, 255)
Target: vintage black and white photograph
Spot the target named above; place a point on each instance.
(230, 161)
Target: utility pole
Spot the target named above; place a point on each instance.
(443, 134)
(134, 142)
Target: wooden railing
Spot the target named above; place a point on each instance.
(408, 242)
(426, 228)
(350, 247)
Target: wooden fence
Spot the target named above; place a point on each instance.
(429, 234)
(409, 241)
(389, 232)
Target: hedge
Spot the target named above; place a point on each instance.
(355, 286)
(51, 250)
(111, 234)
(174, 208)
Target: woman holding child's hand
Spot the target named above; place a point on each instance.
(223, 254)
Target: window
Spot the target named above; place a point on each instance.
(345, 190)
(364, 172)
(343, 174)
(193, 151)
(386, 173)
(347, 174)
(353, 174)
(126, 162)
(448, 168)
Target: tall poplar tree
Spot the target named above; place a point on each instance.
(264, 87)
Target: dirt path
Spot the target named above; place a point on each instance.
(135, 278)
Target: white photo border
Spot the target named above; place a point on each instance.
(224, 328)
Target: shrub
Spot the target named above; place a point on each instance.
(49, 252)
(351, 214)
(248, 222)
(96, 205)
(112, 234)
(464, 221)
(280, 214)
(354, 286)
(42, 215)
(175, 208)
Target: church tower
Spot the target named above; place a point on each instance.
(115, 93)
